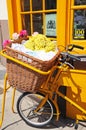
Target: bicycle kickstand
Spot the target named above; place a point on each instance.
(76, 124)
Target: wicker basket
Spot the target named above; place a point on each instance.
(25, 79)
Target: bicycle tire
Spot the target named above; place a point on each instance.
(26, 105)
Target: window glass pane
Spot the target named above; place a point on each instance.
(26, 23)
(38, 23)
(80, 2)
(36, 5)
(50, 24)
(79, 24)
(50, 4)
(25, 5)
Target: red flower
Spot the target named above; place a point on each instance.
(6, 42)
(23, 33)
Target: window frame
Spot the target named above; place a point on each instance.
(72, 8)
(31, 12)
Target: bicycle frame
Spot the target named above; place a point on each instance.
(52, 88)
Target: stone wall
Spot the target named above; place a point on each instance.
(4, 34)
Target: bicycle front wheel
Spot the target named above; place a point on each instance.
(26, 106)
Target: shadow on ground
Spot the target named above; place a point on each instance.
(63, 122)
(60, 124)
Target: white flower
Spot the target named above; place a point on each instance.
(15, 36)
(35, 33)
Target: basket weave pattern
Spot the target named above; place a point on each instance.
(25, 79)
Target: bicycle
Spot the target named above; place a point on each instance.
(39, 105)
(36, 109)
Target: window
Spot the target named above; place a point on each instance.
(50, 4)
(80, 2)
(50, 24)
(39, 16)
(37, 5)
(80, 24)
(79, 20)
(25, 5)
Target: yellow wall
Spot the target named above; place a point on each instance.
(61, 22)
(75, 91)
(13, 16)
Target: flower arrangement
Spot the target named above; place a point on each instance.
(16, 38)
(40, 42)
(36, 41)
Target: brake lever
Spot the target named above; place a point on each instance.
(68, 55)
(74, 57)
(67, 63)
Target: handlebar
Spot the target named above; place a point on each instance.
(66, 55)
(72, 46)
(66, 58)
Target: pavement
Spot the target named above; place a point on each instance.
(12, 121)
